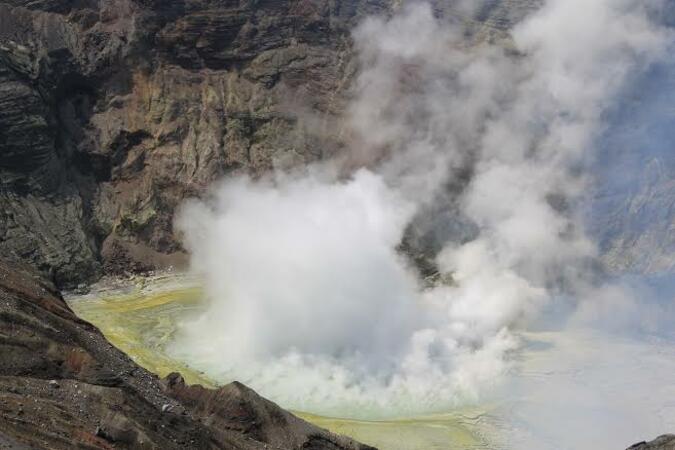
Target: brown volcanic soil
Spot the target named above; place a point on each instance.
(63, 386)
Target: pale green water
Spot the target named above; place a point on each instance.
(141, 317)
(609, 390)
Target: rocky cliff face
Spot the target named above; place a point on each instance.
(111, 113)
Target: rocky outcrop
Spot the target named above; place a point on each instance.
(665, 442)
(237, 407)
(63, 386)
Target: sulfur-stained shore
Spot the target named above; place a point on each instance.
(139, 315)
(64, 386)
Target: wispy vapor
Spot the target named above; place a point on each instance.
(310, 300)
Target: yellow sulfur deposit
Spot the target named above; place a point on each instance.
(141, 318)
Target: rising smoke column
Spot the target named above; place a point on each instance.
(309, 300)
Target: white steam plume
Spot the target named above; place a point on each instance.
(310, 301)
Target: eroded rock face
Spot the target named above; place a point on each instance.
(112, 113)
(62, 386)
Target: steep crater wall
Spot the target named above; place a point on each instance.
(113, 112)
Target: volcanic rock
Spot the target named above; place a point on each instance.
(104, 400)
(112, 113)
(665, 442)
